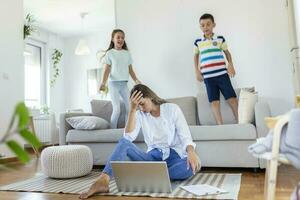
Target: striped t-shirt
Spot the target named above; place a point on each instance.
(211, 58)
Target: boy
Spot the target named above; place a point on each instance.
(210, 67)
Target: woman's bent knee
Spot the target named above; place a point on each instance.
(124, 142)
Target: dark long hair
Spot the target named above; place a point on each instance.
(112, 45)
(148, 93)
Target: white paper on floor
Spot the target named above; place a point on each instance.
(203, 189)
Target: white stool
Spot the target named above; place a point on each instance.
(66, 161)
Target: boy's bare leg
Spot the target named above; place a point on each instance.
(215, 105)
(234, 107)
(101, 185)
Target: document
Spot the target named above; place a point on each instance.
(203, 189)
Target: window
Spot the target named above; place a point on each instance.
(93, 78)
(93, 83)
(35, 75)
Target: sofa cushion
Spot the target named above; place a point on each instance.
(205, 113)
(88, 123)
(105, 136)
(199, 133)
(103, 109)
(224, 132)
(246, 106)
(188, 107)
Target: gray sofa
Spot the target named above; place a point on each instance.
(217, 146)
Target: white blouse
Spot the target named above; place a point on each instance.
(170, 127)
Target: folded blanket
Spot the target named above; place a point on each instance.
(262, 145)
(296, 193)
(293, 134)
(292, 154)
(289, 140)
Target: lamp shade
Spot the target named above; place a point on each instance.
(82, 48)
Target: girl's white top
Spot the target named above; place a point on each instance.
(119, 61)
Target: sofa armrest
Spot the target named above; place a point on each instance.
(262, 110)
(64, 127)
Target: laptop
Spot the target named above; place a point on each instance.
(141, 176)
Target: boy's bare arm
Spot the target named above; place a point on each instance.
(230, 68)
(197, 70)
(228, 57)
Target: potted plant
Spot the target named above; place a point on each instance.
(45, 110)
(56, 57)
(28, 26)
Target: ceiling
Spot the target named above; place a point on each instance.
(63, 16)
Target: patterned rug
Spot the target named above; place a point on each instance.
(41, 183)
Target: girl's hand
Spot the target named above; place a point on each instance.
(102, 87)
(231, 71)
(135, 99)
(193, 161)
(137, 81)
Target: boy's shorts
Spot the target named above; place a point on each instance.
(216, 84)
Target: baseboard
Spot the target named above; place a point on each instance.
(27, 148)
(8, 160)
(30, 150)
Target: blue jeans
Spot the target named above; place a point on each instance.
(118, 89)
(125, 149)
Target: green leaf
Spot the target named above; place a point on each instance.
(18, 150)
(31, 138)
(27, 16)
(23, 114)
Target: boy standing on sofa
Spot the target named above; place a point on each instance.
(210, 67)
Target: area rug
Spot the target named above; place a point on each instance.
(41, 183)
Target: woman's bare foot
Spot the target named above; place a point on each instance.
(101, 185)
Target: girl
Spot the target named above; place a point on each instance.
(117, 67)
(166, 135)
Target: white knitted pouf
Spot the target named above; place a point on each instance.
(67, 161)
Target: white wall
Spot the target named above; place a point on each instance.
(160, 35)
(297, 18)
(55, 97)
(12, 62)
(75, 68)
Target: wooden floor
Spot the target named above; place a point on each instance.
(251, 188)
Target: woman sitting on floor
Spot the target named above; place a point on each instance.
(166, 134)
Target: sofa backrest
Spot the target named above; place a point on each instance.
(205, 113)
(103, 109)
(196, 110)
(189, 108)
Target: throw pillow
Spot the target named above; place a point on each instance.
(246, 106)
(88, 123)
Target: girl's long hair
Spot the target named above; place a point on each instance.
(148, 93)
(112, 45)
